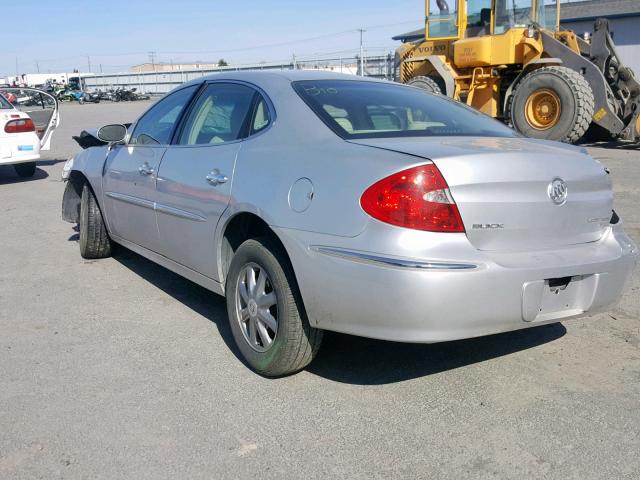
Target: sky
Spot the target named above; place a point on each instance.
(58, 36)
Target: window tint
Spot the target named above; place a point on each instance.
(156, 126)
(219, 115)
(357, 109)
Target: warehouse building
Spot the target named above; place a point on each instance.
(579, 15)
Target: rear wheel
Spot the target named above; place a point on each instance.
(25, 170)
(554, 103)
(94, 239)
(265, 310)
(429, 84)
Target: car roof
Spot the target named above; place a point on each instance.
(269, 76)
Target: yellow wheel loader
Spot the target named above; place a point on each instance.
(510, 60)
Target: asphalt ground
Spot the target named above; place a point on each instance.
(119, 368)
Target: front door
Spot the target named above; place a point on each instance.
(195, 176)
(129, 181)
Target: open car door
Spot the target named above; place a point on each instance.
(41, 106)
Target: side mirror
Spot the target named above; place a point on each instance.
(112, 133)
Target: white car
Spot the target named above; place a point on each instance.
(26, 132)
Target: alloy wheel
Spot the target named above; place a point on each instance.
(256, 307)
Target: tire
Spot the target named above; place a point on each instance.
(25, 170)
(293, 343)
(566, 88)
(94, 239)
(429, 84)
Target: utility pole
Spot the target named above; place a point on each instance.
(152, 58)
(17, 71)
(37, 66)
(361, 52)
(89, 62)
(295, 67)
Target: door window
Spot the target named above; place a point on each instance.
(219, 115)
(512, 13)
(442, 18)
(157, 125)
(478, 18)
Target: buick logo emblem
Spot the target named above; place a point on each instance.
(557, 191)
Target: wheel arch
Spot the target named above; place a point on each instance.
(436, 67)
(239, 227)
(72, 196)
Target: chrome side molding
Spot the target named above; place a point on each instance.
(365, 257)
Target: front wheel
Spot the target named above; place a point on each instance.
(266, 314)
(25, 170)
(94, 239)
(553, 103)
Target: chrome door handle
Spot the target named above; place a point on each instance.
(216, 178)
(145, 169)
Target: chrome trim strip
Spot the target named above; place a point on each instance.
(140, 202)
(176, 212)
(390, 261)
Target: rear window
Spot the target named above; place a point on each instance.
(356, 109)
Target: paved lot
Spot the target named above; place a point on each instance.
(120, 369)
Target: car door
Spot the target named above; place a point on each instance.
(129, 180)
(195, 176)
(41, 106)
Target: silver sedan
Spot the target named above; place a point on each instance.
(326, 202)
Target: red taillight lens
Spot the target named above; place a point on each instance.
(20, 126)
(417, 198)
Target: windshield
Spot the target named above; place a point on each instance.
(358, 109)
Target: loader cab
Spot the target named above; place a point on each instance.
(457, 19)
(510, 14)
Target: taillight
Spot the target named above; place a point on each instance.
(21, 125)
(417, 198)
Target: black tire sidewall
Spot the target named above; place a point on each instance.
(84, 218)
(427, 84)
(254, 251)
(568, 105)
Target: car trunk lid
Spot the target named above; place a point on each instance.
(504, 187)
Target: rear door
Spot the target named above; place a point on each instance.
(43, 109)
(129, 180)
(195, 176)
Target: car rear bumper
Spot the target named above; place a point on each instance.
(405, 299)
(19, 159)
(19, 148)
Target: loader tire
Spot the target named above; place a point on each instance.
(552, 103)
(429, 84)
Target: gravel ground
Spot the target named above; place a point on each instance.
(120, 369)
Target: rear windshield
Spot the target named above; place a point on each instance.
(4, 103)
(358, 109)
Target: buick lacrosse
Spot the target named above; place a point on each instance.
(316, 201)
